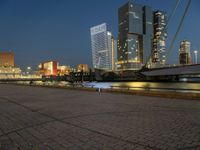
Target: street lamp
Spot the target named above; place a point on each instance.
(28, 70)
(196, 56)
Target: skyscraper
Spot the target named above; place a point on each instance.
(184, 53)
(135, 35)
(102, 47)
(159, 41)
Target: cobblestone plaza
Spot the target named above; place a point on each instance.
(35, 118)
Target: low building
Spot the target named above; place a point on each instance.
(10, 72)
(48, 68)
(64, 70)
(82, 67)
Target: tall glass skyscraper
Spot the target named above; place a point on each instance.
(135, 35)
(159, 42)
(103, 47)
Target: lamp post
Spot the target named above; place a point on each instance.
(28, 70)
(196, 56)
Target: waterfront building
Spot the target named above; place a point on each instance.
(7, 59)
(7, 66)
(64, 70)
(184, 53)
(159, 41)
(82, 68)
(48, 68)
(135, 35)
(102, 43)
(10, 72)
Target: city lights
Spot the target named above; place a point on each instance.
(196, 56)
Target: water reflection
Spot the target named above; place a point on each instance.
(158, 86)
(164, 85)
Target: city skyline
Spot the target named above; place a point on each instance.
(37, 32)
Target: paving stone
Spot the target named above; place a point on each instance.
(33, 118)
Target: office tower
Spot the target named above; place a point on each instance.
(114, 54)
(102, 47)
(7, 59)
(159, 41)
(184, 53)
(135, 35)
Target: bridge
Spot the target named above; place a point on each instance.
(173, 71)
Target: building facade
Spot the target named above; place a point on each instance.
(7, 66)
(159, 41)
(102, 47)
(185, 53)
(114, 54)
(82, 68)
(7, 59)
(64, 70)
(135, 35)
(10, 72)
(48, 68)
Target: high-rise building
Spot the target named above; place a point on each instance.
(102, 47)
(7, 59)
(159, 41)
(184, 53)
(114, 54)
(135, 35)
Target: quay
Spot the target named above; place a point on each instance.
(37, 118)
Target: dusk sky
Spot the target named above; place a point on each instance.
(40, 30)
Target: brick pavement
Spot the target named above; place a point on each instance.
(34, 118)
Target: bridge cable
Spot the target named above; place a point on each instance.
(179, 28)
(165, 27)
(173, 12)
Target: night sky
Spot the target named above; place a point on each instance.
(40, 30)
